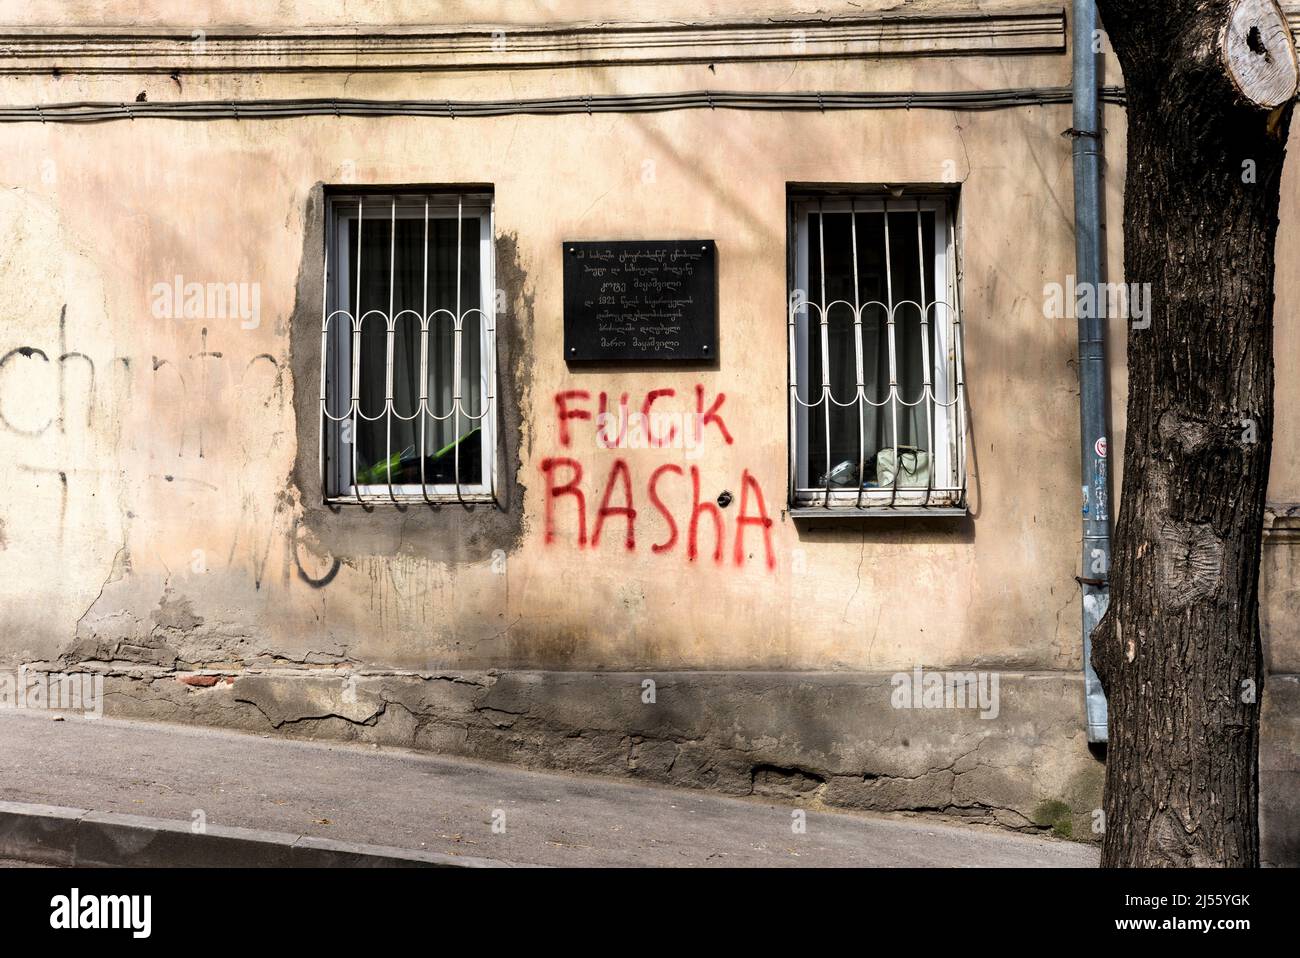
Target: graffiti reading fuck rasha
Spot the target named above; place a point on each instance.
(696, 525)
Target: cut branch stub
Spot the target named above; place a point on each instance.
(1259, 52)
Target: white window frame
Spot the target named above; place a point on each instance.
(341, 335)
(946, 396)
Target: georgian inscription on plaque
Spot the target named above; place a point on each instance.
(640, 300)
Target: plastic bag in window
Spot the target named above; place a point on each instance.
(914, 472)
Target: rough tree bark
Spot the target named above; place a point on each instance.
(1210, 85)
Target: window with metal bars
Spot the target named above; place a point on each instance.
(877, 418)
(408, 349)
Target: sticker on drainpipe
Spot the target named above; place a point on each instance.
(1100, 447)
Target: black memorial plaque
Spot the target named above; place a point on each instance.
(640, 300)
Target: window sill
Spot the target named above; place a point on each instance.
(875, 512)
(478, 498)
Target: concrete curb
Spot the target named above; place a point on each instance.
(78, 837)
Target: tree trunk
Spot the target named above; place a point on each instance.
(1209, 86)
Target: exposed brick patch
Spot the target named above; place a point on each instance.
(202, 681)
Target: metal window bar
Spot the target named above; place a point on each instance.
(857, 353)
(958, 360)
(824, 331)
(944, 416)
(893, 351)
(335, 336)
(925, 356)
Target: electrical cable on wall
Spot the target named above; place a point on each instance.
(975, 100)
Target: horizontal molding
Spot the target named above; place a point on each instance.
(412, 49)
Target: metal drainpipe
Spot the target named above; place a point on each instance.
(1093, 382)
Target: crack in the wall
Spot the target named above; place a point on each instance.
(323, 717)
(108, 580)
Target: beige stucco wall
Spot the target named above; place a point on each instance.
(152, 509)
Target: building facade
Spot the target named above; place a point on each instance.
(676, 390)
